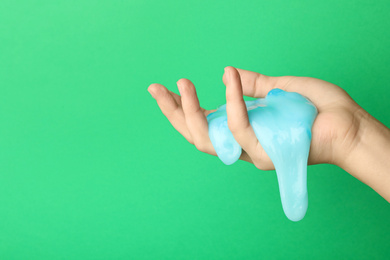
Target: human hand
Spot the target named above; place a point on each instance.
(343, 133)
(334, 130)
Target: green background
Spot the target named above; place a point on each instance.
(91, 169)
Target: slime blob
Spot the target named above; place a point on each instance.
(282, 122)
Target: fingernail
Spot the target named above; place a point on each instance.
(179, 86)
(227, 76)
(151, 93)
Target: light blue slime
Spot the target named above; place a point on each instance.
(282, 122)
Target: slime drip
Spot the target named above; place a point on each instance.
(282, 122)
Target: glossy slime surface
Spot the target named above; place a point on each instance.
(282, 122)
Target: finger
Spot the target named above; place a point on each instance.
(258, 85)
(255, 84)
(238, 120)
(176, 97)
(178, 100)
(194, 116)
(170, 106)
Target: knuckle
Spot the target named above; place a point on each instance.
(258, 164)
(192, 109)
(236, 126)
(258, 79)
(264, 166)
(263, 163)
(170, 113)
(200, 146)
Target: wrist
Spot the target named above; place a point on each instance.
(352, 126)
(372, 135)
(367, 157)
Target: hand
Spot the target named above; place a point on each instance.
(343, 133)
(333, 134)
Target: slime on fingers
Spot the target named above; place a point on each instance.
(282, 122)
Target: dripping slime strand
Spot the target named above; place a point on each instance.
(282, 122)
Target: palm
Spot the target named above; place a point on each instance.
(335, 121)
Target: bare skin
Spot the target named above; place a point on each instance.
(343, 133)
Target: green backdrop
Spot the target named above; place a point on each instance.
(91, 169)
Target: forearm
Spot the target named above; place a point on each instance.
(369, 159)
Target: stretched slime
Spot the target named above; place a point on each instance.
(282, 122)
